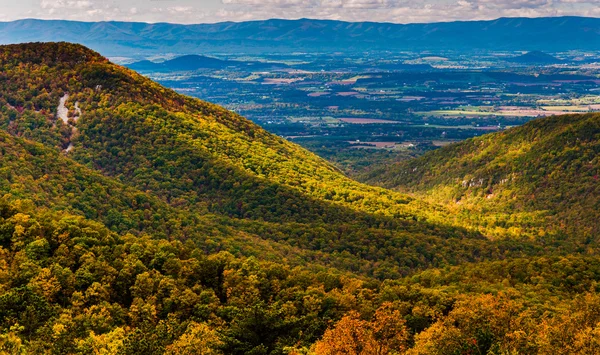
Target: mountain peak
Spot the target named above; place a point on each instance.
(536, 57)
(50, 53)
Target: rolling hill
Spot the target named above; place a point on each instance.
(544, 173)
(188, 62)
(135, 219)
(535, 57)
(196, 62)
(202, 160)
(550, 34)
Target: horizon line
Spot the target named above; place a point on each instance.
(299, 19)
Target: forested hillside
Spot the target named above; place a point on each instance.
(201, 160)
(137, 220)
(542, 175)
(71, 286)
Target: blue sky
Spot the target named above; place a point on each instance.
(200, 11)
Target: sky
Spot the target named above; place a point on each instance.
(209, 11)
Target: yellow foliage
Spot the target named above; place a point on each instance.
(198, 339)
(385, 334)
(102, 344)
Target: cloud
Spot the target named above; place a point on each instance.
(514, 4)
(268, 3)
(406, 11)
(54, 6)
(311, 5)
(62, 4)
(400, 11)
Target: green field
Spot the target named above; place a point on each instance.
(461, 113)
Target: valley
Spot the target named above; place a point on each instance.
(331, 104)
(436, 196)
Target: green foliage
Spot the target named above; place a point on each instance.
(70, 285)
(84, 281)
(539, 178)
(148, 160)
(175, 226)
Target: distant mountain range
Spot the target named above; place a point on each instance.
(549, 34)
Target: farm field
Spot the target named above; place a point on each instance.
(420, 101)
(366, 121)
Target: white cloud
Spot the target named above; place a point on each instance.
(401, 11)
(514, 4)
(278, 3)
(179, 9)
(66, 4)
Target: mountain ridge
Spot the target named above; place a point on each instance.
(174, 226)
(546, 169)
(122, 38)
(201, 159)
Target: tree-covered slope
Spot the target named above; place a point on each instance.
(40, 176)
(179, 147)
(194, 159)
(542, 175)
(134, 219)
(71, 286)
